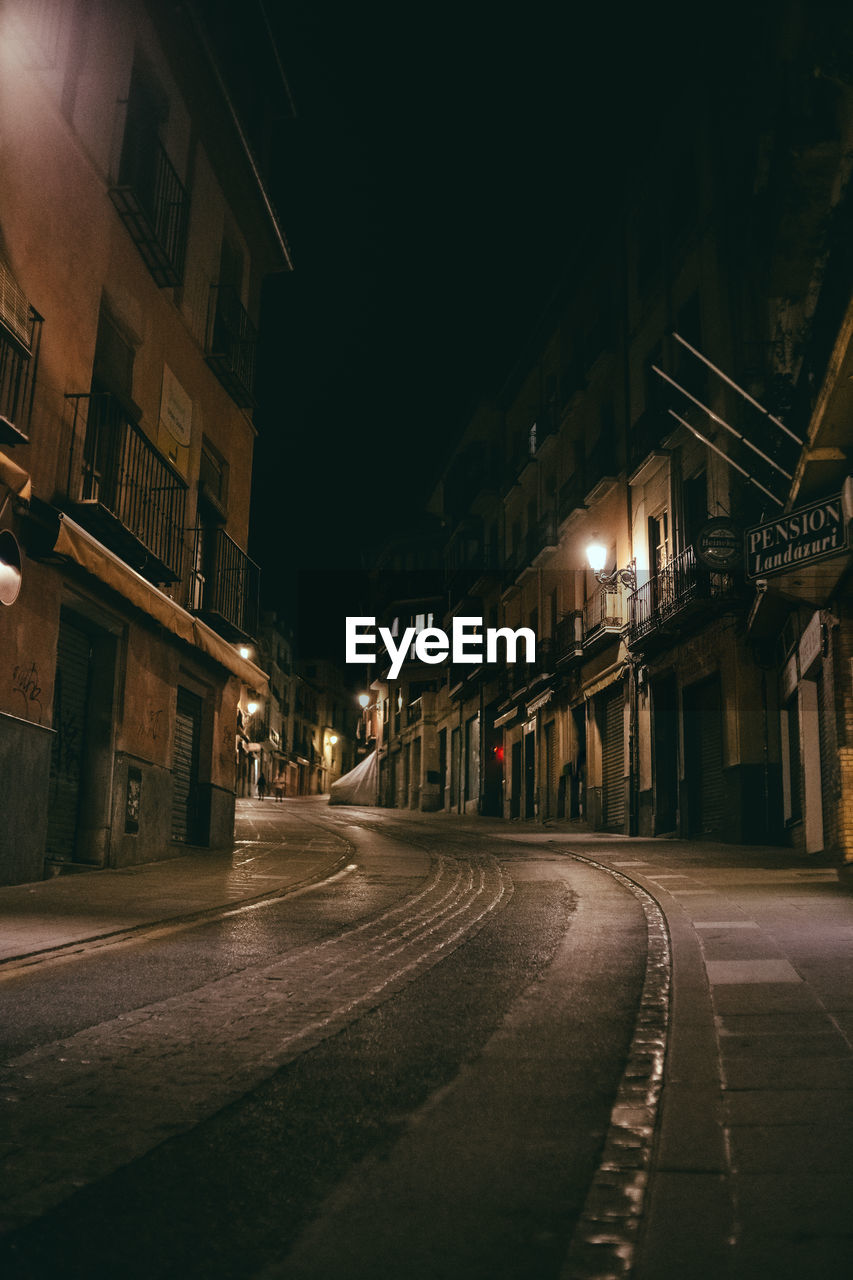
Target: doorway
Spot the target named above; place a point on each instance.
(703, 733)
(665, 754)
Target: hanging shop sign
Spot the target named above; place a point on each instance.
(719, 545)
(799, 538)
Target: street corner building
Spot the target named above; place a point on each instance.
(660, 490)
(135, 234)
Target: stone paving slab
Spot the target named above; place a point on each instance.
(760, 1059)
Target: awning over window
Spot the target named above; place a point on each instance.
(605, 680)
(539, 702)
(81, 548)
(15, 478)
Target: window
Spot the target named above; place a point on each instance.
(112, 368)
(213, 478)
(149, 195)
(659, 542)
(20, 334)
(695, 506)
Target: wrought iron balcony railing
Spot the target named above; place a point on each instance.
(600, 466)
(123, 489)
(231, 344)
(677, 588)
(604, 617)
(649, 431)
(544, 537)
(568, 642)
(152, 202)
(605, 611)
(571, 496)
(224, 585)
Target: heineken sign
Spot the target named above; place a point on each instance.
(798, 538)
(719, 544)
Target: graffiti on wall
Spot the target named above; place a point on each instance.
(26, 685)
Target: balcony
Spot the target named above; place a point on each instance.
(547, 424)
(519, 559)
(20, 336)
(523, 678)
(232, 341)
(123, 490)
(647, 436)
(681, 591)
(152, 203)
(569, 637)
(224, 585)
(522, 453)
(544, 538)
(570, 498)
(604, 617)
(600, 470)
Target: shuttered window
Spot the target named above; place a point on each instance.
(613, 761)
(185, 767)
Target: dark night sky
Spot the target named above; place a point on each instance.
(440, 163)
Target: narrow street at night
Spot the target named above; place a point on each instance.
(384, 1044)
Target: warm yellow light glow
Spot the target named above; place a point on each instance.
(333, 739)
(363, 699)
(252, 708)
(10, 568)
(596, 554)
(244, 651)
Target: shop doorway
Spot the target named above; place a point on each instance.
(703, 735)
(185, 798)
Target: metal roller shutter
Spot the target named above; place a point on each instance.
(185, 766)
(70, 699)
(613, 761)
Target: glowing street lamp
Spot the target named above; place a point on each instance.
(596, 554)
(364, 700)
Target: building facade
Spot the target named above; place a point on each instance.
(683, 400)
(135, 234)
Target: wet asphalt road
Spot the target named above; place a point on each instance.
(405, 1072)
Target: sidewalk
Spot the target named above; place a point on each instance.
(752, 1163)
(52, 915)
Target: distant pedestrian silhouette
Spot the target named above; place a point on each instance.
(262, 786)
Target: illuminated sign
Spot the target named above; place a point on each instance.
(801, 537)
